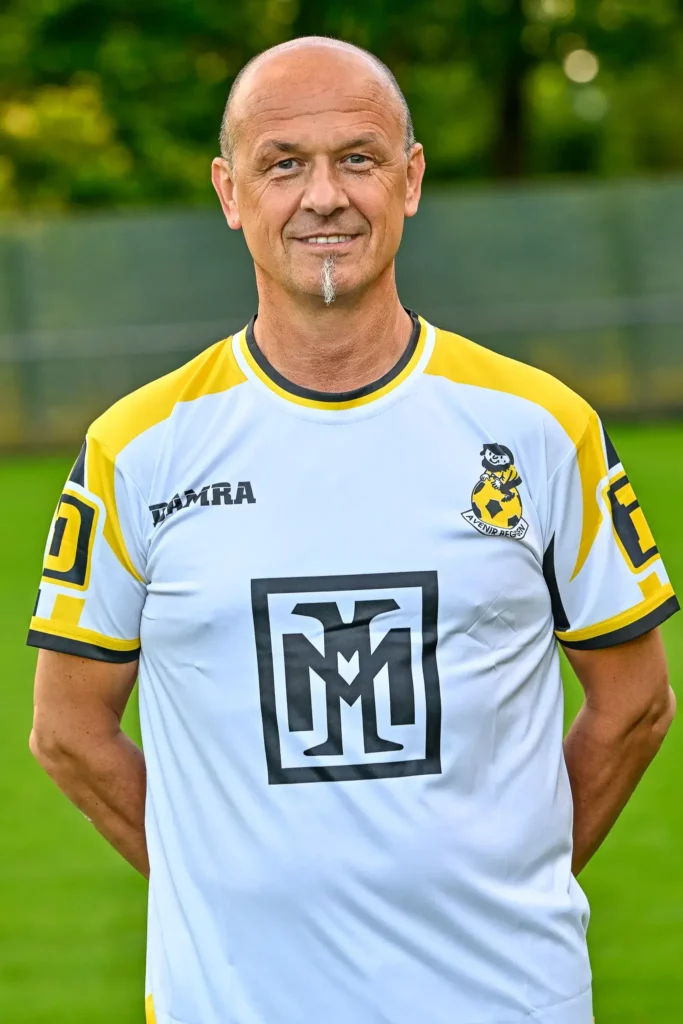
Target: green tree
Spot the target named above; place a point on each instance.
(116, 102)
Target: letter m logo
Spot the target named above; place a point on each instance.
(348, 677)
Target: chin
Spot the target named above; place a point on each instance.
(312, 287)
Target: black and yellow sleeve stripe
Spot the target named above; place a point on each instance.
(84, 643)
(622, 628)
(659, 603)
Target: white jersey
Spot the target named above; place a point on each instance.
(346, 610)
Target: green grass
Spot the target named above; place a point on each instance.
(635, 883)
(72, 913)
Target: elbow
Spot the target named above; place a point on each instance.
(41, 747)
(655, 719)
(48, 749)
(663, 714)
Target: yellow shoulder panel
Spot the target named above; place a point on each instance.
(464, 362)
(211, 372)
(150, 1016)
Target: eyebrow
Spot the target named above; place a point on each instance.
(363, 140)
(283, 146)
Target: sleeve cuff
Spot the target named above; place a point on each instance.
(624, 633)
(80, 648)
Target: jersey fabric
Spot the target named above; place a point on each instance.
(346, 610)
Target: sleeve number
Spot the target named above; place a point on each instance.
(633, 533)
(68, 557)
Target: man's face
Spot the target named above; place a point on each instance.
(320, 171)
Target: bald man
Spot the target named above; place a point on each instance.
(339, 550)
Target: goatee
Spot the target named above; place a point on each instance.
(327, 279)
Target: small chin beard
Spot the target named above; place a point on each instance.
(327, 280)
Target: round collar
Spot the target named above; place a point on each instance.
(260, 371)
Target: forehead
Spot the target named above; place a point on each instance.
(316, 97)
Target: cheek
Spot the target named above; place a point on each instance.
(264, 212)
(386, 219)
(381, 202)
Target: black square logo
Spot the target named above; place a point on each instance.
(348, 676)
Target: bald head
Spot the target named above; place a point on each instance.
(287, 57)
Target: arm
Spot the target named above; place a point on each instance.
(628, 709)
(77, 738)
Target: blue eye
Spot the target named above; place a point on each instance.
(285, 165)
(357, 159)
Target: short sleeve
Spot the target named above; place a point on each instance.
(606, 578)
(92, 588)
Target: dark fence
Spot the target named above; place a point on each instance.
(585, 281)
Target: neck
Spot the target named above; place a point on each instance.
(332, 348)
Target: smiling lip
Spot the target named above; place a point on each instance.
(327, 241)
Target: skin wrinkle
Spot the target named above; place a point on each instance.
(263, 125)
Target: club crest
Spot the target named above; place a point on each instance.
(496, 505)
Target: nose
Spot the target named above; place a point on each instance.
(324, 194)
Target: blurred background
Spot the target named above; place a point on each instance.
(551, 230)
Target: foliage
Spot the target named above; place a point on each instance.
(115, 102)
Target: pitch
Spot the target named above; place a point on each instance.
(72, 923)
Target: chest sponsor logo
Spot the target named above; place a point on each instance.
(496, 509)
(348, 678)
(212, 494)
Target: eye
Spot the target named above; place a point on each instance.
(356, 159)
(286, 165)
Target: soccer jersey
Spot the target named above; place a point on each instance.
(346, 609)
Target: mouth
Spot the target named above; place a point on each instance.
(328, 243)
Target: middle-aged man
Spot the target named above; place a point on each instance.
(342, 545)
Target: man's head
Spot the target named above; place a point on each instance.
(319, 166)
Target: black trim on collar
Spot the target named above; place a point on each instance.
(333, 396)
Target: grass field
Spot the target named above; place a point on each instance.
(72, 914)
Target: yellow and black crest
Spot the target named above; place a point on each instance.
(496, 509)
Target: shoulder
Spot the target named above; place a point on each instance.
(214, 370)
(464, 362)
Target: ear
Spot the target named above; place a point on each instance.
(414, 173)
(223, 181)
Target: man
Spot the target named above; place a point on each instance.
(342, 545)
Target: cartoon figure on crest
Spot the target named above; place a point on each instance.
(496, 503)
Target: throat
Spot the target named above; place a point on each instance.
(334, 366)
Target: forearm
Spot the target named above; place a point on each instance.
(105, 778)
(606, 758)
